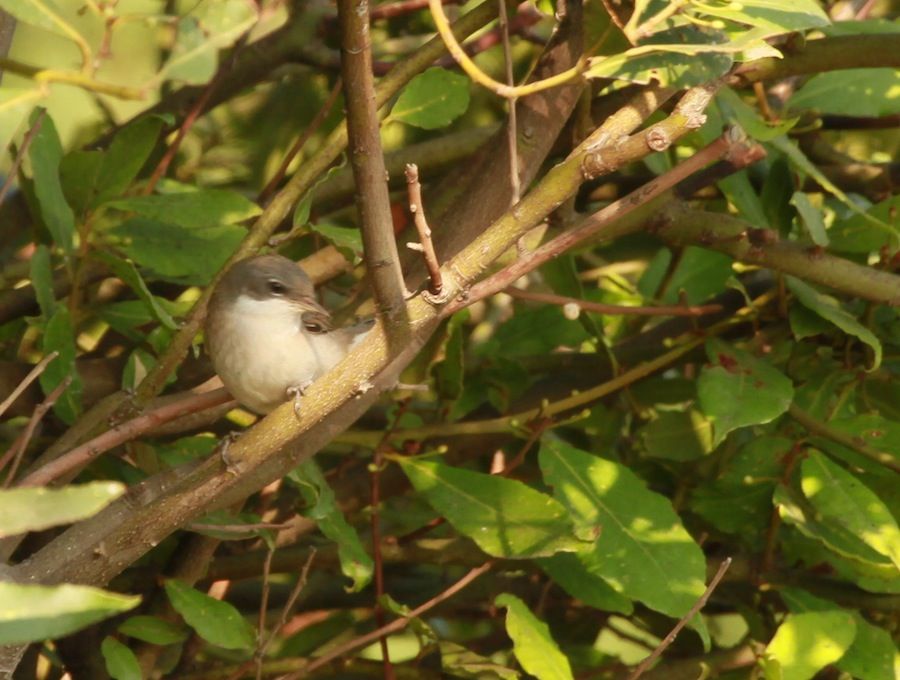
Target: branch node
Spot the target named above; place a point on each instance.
(658, 139)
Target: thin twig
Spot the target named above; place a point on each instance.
(594, 224)
(395, 9)
(844, 438)
(82, 455)
(601, 308)
(198, 107)
(417, 208)
(670, 638)
(17, 450)
(375, 488)
(394, 626)
(33, 375)
(238, 528)
(263, 608)
(310, 130)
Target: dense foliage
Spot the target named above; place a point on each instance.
(656, 387)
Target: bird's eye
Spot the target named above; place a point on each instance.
(276, 287)
(314, 327)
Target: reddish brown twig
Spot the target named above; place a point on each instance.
(310, 130)
(84, 454)
(601, 308)
(394, 626)
(33, 375)
(198, 108)
(396, 9)
(425, 245)
(670, 638)
(17, 450)
(26, 142)
(722, 147)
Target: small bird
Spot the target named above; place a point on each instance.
(267, 334)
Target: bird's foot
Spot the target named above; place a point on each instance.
(295, 393)
(231, 466)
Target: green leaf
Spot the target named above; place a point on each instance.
(459, 662)
(842, 499)
(801, 163)
(200, 35)
(127, 154)
(217, 622)
(170, 251)
(503, 516)
(806, 643)
(152, 629)
(834, 536)
(873, 655)
(700, 274)
(131, 277)
(736, 110)
(642, 550)
(121, 663)
(42, 280)
(678, 435)
(863, 92)
(191, 209)
(740, 500)
(44, 14)
(78, 171)
(59, 336)
(533, 645)
(774, 16)
(740, 390)
(347, 239)
(829, 309)
(37, 508)
(31, 613)
(45, 154)
(859, 233)
(572, 572)
(321, 506)
(433, 99)
(811, 217)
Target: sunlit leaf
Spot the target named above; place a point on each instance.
(503, 516)
(433, 99)
(641, 548)
(533, 644)
(806, 643)
(31, 613)
(842, 499)
(36, 508)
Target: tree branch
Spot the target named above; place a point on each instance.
(681, 225)
(373, 201)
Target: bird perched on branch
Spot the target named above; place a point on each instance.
(267, 334)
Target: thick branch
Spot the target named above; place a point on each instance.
(718, 231)
(827, 54)
(373, 202)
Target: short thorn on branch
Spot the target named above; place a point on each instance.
(425, 245)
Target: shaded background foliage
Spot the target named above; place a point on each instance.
(575, 473)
